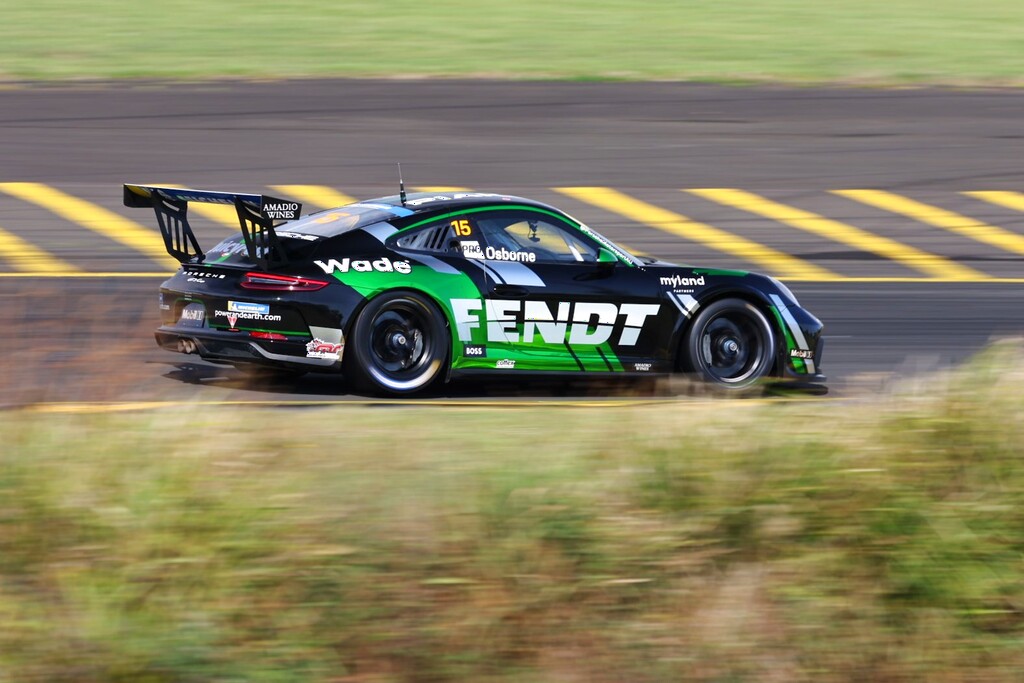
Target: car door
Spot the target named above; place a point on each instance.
(556, 300)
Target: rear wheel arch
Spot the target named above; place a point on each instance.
(357, 362)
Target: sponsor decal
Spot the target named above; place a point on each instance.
(680, 281)
(474, 350)
(203, 274)
(471, 249)
(302, 235)
(504, 254)
(193, 315)
(505, 363)
(444, 197)
(246, 307)
(318, 348)
(381, 265)
(229, 247)
(164, 306)
(642, 367)
(233, 316)
(279, 209)
(577, 323)
(801, 353)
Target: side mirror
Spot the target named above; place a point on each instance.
(606, 260)
(603, 268)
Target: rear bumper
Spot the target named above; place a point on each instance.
(233, 347)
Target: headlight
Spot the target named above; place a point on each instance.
(786, 292)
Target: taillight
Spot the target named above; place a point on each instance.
(287, 283)
(272, 336)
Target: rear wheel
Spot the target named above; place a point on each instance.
(731, 344)
(398, 344)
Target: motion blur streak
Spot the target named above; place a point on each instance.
(1009, 200)
(779, 264)
(26, 257)
(927, 263)
(940, 218)
(319, 196)
(96, 218)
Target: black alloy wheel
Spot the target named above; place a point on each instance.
(731, 344)
(398, 344)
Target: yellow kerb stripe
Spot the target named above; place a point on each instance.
(676, 224)
(927, 263)
(318, 196)
(27, 258)
(938, 217)
(1009, 200)
(101, 221)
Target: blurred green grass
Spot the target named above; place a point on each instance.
(736, 541)
(797, 41)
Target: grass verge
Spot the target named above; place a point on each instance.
(797, 41)
(733, 542)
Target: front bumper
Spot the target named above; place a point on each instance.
(791, 373)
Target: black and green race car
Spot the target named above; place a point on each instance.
(400, 292)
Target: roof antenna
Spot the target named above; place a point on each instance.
(401, 185)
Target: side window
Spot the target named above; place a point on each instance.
(531, 237)
(447, 235)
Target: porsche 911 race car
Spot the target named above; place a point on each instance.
(400, 292)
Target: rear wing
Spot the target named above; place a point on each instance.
(258, 215)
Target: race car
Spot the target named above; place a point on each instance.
(400, 292)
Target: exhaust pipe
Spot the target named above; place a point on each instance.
(186, 346)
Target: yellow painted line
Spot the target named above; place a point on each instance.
(319, 196)
(442, 188)
(929, 264)
(224, 214)
(1009, 200)
(778, 263)
(28, 258)
(101, 221)
(82, 274)
(938, 217)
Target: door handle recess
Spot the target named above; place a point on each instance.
(510, 291)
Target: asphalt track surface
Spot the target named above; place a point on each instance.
(89, 339)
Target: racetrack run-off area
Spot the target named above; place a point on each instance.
(896, 216)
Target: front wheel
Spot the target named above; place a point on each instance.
(398, 344)
(730, 345)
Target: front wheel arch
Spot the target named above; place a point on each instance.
(732, 342)
(752, 298)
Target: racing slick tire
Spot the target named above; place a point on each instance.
(398, 345)
(730, 345)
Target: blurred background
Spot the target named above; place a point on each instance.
(169, 521)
